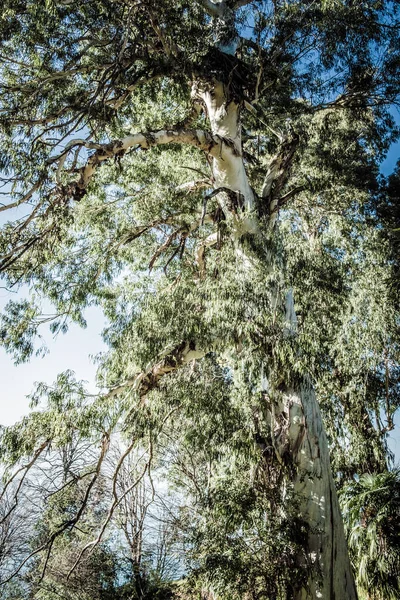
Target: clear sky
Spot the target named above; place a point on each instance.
(387, 167)
(67, 351)
(389, 163)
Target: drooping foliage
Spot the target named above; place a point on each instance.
(108, 153)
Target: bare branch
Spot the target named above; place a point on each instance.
(47, 545)
(116, 501)
(164, 246)
(25, 468)
(205, 141)
(255, 111)
(24, 199)
(195, 170)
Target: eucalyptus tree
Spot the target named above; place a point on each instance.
(200, 170)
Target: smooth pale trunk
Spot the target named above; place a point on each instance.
(227, 165)
(329, 566)
(330, 574)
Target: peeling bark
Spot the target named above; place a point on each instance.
(299, 441)
(211, 144)
(227, 165)
(329, 570)
(302, 439)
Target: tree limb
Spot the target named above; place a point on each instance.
(22, 200)
(284, 199)
(201, 139)
(277, 175)
(169, 361)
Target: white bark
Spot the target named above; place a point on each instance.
(210, 144)
(290, 313)
(298, 436)
(330, 574)
(303, 436)
(227, 165)
(297, 432)
(215, 9)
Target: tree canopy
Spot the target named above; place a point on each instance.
(208, 174)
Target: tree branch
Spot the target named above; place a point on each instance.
(278, 173)
(115, 502)
(22, 200)
(203, 140)
(70, 523)
(285, 199)
(170, 361)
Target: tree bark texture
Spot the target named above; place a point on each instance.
(328, 566)
(330, 574)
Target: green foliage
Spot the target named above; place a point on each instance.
(129, 240)
(371, 509)
(19, 324)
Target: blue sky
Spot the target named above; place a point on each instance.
(387, 167)
(72, 350)
(390, 161)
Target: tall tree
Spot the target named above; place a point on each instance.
(278, 111)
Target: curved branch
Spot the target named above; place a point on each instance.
(203, 140)
(169, 362)
(22, 200)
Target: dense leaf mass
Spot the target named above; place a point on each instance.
(190, 167)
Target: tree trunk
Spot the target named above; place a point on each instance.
(330, 574)
(329, 571)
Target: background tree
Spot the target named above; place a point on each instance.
(280, 112)
(84, 561)
(371, 507)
